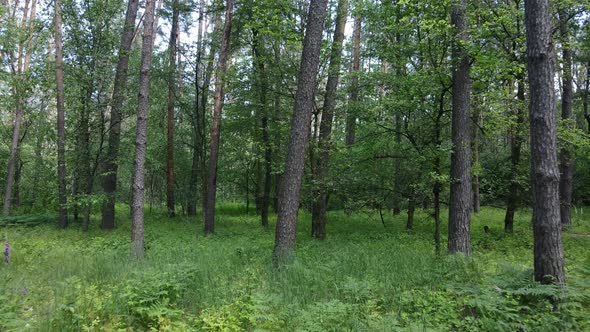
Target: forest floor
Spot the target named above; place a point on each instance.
(366, 276)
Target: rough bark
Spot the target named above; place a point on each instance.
(289, 194)
(548, 250)
(566, 165)
(516, 140)
(211, 191)
(320, 203)
(460, 200)
(355, 88)
(61, 130)
(170, 110)
(137, 211)
(109, 181)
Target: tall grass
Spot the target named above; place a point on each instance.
(365, 276)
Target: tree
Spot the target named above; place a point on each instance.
(111, 163)
(211, 191)
(61, 130)
(170, 109)
(141, 131)
(460, 201)
(548, 250)
(23, 59)
(289, 193)
(320, 204)
(354, 87)
(566, 166)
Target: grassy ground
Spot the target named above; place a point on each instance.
(364, 277)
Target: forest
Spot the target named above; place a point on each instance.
(295, 165)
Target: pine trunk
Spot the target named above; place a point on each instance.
(320, 203)
(548, 250)
(460, 200)
(109, 183)
(61, 130)
(211, 185)
(170, 111)
(354, 90)
(299, 136)
(137, 211)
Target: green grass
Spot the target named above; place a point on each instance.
(363, 277)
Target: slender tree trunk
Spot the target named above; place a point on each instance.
(291, 184)
(475, 143)
(109, 183)
(262, 80)
(354, 90)
(209, 215)
(18, 119)
(397, 187)
(460, 201)
(320, 204)
(548, 250)
(516, 140)
(170, 110)
(585, 95)
(566, 159)
(61, 130)
(193, 191)
(437, 185)
(141, 132)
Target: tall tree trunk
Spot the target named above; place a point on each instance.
(61, 130)
(585, 95)
(194, 178)
(23, 61)
(437, 186)
(516, 140)
(397, 187)
(566, 159)
(262, 81)
(209, 213)
(460, 201)
(170, 110)
(291, 180)
(320, 204)
(548, 250)
(354, 89)
(109, 183)
(411, 209)
(141, 132)
(475, 143)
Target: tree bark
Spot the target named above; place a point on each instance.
(109, 183)
(61, 131)
(516, 140)
(354, 90)
(209, 214)
(566, 159)
(548, 250)
(299, 136)
(170, 110)
(320, 203)
(141, 132)
(460, 200)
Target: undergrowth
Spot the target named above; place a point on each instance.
(366, 276)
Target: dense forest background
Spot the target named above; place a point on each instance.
(422, 111)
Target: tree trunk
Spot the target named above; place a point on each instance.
(109, 183)
(291, 180)
(320, 203)
(12, 161)
(411, 209)
(262, 81)
(475, 143)
(61, 130)
(548, 250)
(354, 89)
(209, 213)
(460, 200)
(170, 110)
(585, 95)
(194, 178)
(566, 158)
(397, 187)
(516, 140)
(141, 132)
